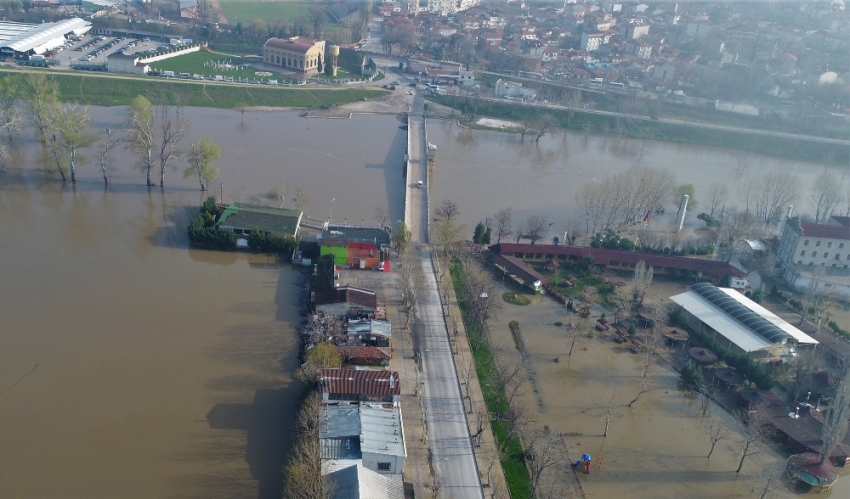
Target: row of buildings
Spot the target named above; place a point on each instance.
(653, 47)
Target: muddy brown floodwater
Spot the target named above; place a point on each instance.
(484, 171)
(132, 366)
(654, 449)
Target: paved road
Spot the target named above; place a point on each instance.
(375, 43)
(416, 198)
(445, 415)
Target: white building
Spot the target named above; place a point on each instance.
(635, 31)
(466, 78)
(698, 30)
(593, 41)
(448, 7)
(512, 90)
(22, 39)
(739, 321)
(805, 246)
(371, 435)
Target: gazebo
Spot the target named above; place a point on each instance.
(807, 468)
(703, 356)
(729, 376)
(675, 335)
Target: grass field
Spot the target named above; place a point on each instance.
(248, 10)
(106, 91)
(202, 63)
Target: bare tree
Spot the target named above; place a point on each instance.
(825, 196)
(503, 219)
(546, 123)
(772, 193)
(447, 210)
(608, 410)
(300, 199)
(317, 17)
(519, 417)
(717, 194)
(171, 128)
(576, 324)
(641, 281)
(10, 124)
(754, 428)
(107, 143)
(381, 215)
(466, 371)
(646, 386)
(543, 453)
(512, 378)
(770, 481)
(304, 467)
(534, 227)
(716, 429)
(805, 363)
(835, 422)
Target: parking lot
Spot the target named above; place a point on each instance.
(92, 50)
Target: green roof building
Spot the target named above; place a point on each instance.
(243, 218)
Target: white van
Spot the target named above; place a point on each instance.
(419, 184)
(218, 78)
(168, 74)
(185, 75)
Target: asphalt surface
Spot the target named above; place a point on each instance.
(416, 198)
(448, 439)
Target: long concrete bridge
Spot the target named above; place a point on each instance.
(416, 204)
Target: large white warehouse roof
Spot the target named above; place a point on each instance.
(17, 37)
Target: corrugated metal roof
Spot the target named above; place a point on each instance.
(45, 33)
(381, 431)
(359, 482)
(349, 381)
(718, 320)
(340, 448)
(265, 218)
(769, 316)
(377, 429)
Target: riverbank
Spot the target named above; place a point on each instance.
(781, 147)
(93, 89)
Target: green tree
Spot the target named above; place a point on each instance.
(401, 237)
(202, 157)
(320, 356)
(683, 189)
(485, 239)
(478, 234)
(71, 125)
(141, 126)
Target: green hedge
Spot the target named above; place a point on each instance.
(265, 243)
(513, 459)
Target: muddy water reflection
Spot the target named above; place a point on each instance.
(486, 170)
(131, 366)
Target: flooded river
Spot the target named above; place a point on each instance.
(132, 366)
(484, 171)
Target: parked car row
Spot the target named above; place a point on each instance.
(223, 79)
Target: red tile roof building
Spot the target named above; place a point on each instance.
(619, 259)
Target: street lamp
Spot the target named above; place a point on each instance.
(331, 217)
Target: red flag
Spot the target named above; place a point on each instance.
(646, 217)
